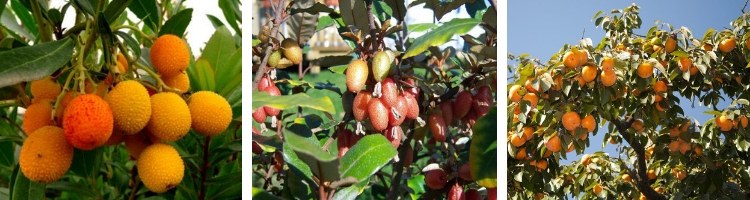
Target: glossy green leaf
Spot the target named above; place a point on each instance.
(25, 17)
(262, 194)
(232, 13)
(77, 188)
(2, 5)
(351, 192)
(87, 163)
(482, 155)
(34, 62)
(289, 101)
(147, 11)
(371, 153)
(440, 35)
(220, 46)
(115, 9)
(229, 75)
(322, 164)
(295, 164)
(178, 23)
(21, 188)
(202, 76)
(420, 27)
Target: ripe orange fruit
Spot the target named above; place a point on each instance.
(170, 55)
(513, 93)
(674, 146)
(670, 45)
(626, 178)
(530, 97)
(589, 123)
(88, 122)
(586, 159)
(724, 123)
(660, 86)
(558, 83)
(123, 67)
(727, 45)
(597, 188)
(684, 147)
(651, 174)
(685, 64)
(356, 75)
(589, 73)
(638, 125)
(698, 150)
(571, 120)
(528, 133)
(45, 88)
(570, 60)
(359, 105)
(180, 82)
(521, 154)
(582, 56)
(45, 156)
(554, 144)
(516, 140)
(529, 86)
(608, 63)
(37, 115)
(580, 80)
(679, 174)
(645, 70)
(608, 77)
(541, 165)
(743, 121)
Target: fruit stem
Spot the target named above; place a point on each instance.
(134, 189)
(204, 168)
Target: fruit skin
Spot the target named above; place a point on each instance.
(554, 144)
(532, 99)
(571, 120)
(160, 167)
(135, 144)
(378, 114)
(45, 88)
(570, 60)
(394, 134)
(123, 63)
(360, 105)
(645, 70)
(381, 66)
(397, 117)
(589, 73)
(210, 113)
(342, 141)
(589, 123)
(264, 83)
(670, 45)
(273, 91)
(412, 106)
(45, 155)
(609, 77)
(437, 126)
(180, 82)
(274, 58)
(259, 115)
(291, 50)
(170, 55)
(456, 192)
(170, 117)
(491, 193)
(88, 122)
(465, 172)
(724, 123)
(389, 92)
(356, 75)
(37, 115)
(447, 109)
(436, 179)
(131, 106)
(727, 45)
(472, 194)
(513, 93)
(462, 105)
(482, 101)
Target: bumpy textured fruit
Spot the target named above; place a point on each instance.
(456, 192)
(45, 155)
(397, 112)
(462, 105)
(123, 63)
(180, 82)
(389, 91)
(447, 109)
(412, 106)
(394, 134)
(135, 144)
(160, 167)
(170, 117)
(378, 114)
(37, 115)
(291, 50)
(437, 126)
(45, 88)
(131, 106)
(360, 105)
(356, 75)
(170, 55)
(482, 101)
(88, 122)
(381, 66)
(436, 179)
(210, 113)
(273, 91)
(259, 115)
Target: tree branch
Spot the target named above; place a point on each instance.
(204, 169)
(276, 23)
(642, 182)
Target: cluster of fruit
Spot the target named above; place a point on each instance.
(292, 55)
(144, 119)
(437, 179)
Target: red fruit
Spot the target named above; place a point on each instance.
(436, 179)
(409, 157)
(412, 106)
(342, 142)
(491, 193)
(414, 91)
(356, 75)
(437, 126)
(264, 83)
(256, 148)
(471, 118)
(389, 91)
(259, 115)
(378, 114)
(279, 164)
(462, 105)
(472, 194)
(396, 118)
(465, 172)
(456, 192)
(447, 109)
(359, 106)
(394, 134)
(482, 101)
(273, 91)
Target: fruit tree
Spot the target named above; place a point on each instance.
(115, 105)
(630, 86)
(395, 117)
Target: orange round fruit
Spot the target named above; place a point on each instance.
(45, 155)
(571, 120)
(210, 113)
(554, 144)
(170, 55)
(685, 64)
(670, 45)
(45, 88)
(530, 97)
(521, 154)
(529, 86)
(88, 122)
(651, 174)
(586, 159)
(589, 73)
(608, 63)
(724, 123)
(180, 82)
(589, 123)
(645, 70)
(513, 93)
(135, 144)
(608, 77)
(582, 56)
(131, 106)
(516, 140)
(698, 150)
(727, 45)
(637, 125)
(626, 178)
(660, 86)
(37, 115)
(570, 60)
(528, 133)
(170, 117)
(597, 188)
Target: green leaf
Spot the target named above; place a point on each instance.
(220, 46)
(2, 5)
(398, 9)
(24, 15)
(302, 25)
(147, 11)
(77, 188)
(34, 62)
(87, 163)
(420, 27)
(133, 44)
(371, 153)
(202, 76)
(351, 192)
(482, 155)
(22, 188)
(290, 101)
(340, 69)
(232, 13)
(262, 194)
(324, 21)
(229, 76)
(115, 8)
(440, 35)
(322, 164)
(352, 14)
(178, 23)
(295, 164)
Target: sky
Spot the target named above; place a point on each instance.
(540, 28)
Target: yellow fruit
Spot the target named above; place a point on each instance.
(571, 120)
(210, 113)
(724, 123)
(291, 50)
(554, 144)
(131, 106)
(608, 63)
(88, 122)
(589, 73)
(45, 88)
(170, 55)
(170, 117)
(645, 70)
(135, 144)
(123, 67)
(180, 82)
(160, 167)
(582, 56)
(45, 155)
(37, 115)
(727, 45)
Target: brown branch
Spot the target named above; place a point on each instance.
(642, 182)
(276, 23)
(134, 190)
(204, 168)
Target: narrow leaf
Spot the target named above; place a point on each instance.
(34, 62)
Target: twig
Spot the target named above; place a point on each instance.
(134, 175)
(204, 168)
(399, 168)
(642, 183)
(277, 21)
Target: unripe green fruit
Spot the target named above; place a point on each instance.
(356, 75)
(274, 58)
(292, 51)
(381, 65)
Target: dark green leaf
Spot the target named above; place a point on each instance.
(440, 35)
(229, 75)
(232, 13)
(147, 11)
(34, 62)
(322, 164)
(295, 164)
(261, 194)
(398, 9)
(483, 163)
(220, 46)
(178, 23)
(87, 163)
(352, 14)
(202, 76)
(24, 15)
(302, 25)
(290, 101)
(115, 8)
(367, 157)
(22, 188)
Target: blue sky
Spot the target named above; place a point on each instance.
(540, 28)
